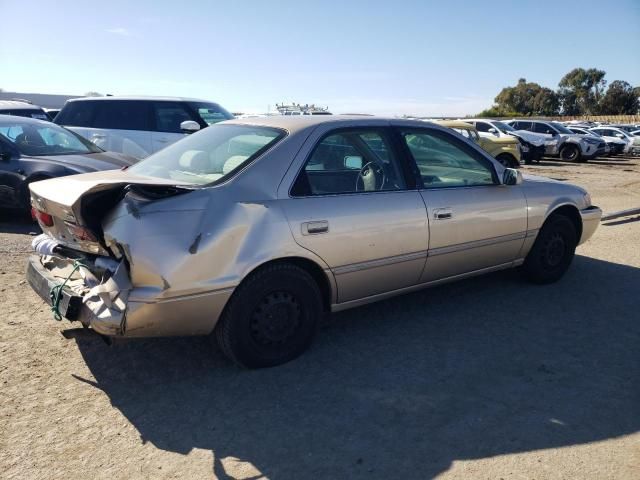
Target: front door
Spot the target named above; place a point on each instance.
(475, 222)
(350, 206)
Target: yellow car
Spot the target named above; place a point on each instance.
(505, 150)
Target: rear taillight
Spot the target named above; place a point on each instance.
(43, 219)
(80, 233)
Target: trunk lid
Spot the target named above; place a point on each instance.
(63, 198)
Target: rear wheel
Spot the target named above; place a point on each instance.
(271, 318)
(571, 153)
(552, 251)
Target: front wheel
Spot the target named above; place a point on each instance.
(571, 153)
(271, 318)
(508, 160)
(552, 251)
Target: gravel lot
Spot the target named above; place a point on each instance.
(488, 378)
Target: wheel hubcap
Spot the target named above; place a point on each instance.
(276, 319)
(554, 250)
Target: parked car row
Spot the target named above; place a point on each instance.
(570, 141)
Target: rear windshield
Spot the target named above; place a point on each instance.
(209, 156)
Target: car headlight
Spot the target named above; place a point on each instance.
(587, 199)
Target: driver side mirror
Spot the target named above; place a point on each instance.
(511, 176)
(189, 126)
(493, 131)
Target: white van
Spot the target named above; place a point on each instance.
(138, 126)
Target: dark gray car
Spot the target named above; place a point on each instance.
(32, 150)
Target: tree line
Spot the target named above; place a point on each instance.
(580, 92)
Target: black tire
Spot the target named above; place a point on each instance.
(271, 318)
(508, 160)
(552, 251)
(571, 153)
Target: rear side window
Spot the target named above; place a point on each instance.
(169, 116)
(122, 115)
(76, 114)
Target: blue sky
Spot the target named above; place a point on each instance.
(386, 57)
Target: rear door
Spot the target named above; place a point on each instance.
(475, 222)
(350, 204)
(122, 126)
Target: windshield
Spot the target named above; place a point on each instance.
(40, 138)
(561, 128)
(503, 127)
(210, 112)
(210, 155)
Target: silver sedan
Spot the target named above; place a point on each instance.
(250, 229)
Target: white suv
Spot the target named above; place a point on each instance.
(138, 126)
(561, 141)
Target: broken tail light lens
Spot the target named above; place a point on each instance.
(80, 233)
(43, 219)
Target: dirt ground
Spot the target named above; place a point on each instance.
(490, 378)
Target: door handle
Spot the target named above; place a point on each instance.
(162, 140)
(314, 228)
(442, 213)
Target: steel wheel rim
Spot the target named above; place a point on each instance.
(554, 250)
(276, 319)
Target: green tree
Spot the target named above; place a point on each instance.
(527, 98)
(621, 99)
(581, 90)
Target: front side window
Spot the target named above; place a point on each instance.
(122, 115)
(543, 128)
(350, 162)
(44, 139)
(169, 116)
(209, 156)
(444, 162)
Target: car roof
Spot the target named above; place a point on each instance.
(5, 119)
(17, 105)
(138, 97)
(295, 123)
(455, 124)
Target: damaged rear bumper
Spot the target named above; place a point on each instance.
(113, 308)
(100, 305)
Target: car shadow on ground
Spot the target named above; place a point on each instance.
(15, 221)
(402, 388)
